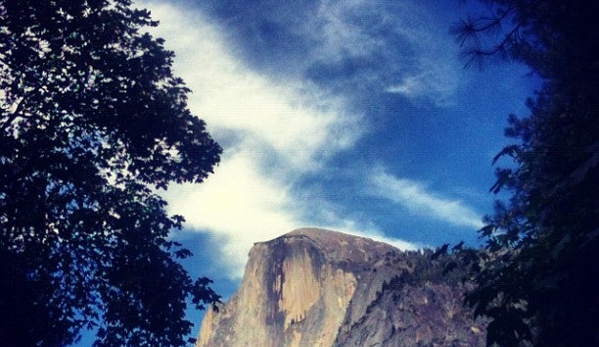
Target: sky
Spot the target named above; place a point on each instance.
(356, 116)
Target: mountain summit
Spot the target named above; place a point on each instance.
(314, 287)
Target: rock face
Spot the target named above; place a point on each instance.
(313, 287)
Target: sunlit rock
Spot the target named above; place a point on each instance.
(314, 287)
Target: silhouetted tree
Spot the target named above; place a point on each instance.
(92, 122)
(539, 284)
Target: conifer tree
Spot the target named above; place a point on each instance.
(539, 284)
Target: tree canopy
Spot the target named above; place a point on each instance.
(539, 282)
(92, 124)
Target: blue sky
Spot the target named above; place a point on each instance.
(353, 115)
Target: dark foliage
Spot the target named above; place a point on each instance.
(539, 282)
(420, 305)
(92, 122)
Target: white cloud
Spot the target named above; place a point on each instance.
(414, 197)
(293, 118)
(429, 71)
(338, 36)
(436, 83)
(276, 131)
(239, 204)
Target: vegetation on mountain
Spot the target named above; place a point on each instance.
(421, 304)
(92, 123)
(538, 279)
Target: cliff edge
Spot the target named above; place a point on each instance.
(314, 287)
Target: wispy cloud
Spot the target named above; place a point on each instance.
(414, 197)
(436, 83)
(352, 47)
(292, 117)
(384, 45)
(274, 131)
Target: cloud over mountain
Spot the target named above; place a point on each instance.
(348, 115)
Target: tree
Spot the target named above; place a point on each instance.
(92, 124)
(538, 284)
